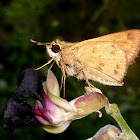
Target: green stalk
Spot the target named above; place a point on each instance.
(127, 133)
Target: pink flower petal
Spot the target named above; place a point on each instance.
(57, 130)
(42, 120)
(88, 103)
(52, 84)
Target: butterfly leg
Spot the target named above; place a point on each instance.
(87, 81)
(45, 64)
(51, 65)
(63, 78)
(90, 87)
(64, 87)
(89, 84)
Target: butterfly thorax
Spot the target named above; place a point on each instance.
(70, 64)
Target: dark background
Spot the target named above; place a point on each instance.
(69, 20)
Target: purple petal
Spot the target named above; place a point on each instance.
(30, 85)
(17, 114)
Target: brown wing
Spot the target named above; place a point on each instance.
(105, 62)
(128, 41)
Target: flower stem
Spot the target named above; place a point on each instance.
(127, 133)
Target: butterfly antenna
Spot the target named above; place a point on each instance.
(45, 64)
(39, 43)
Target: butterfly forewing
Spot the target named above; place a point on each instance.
(128, 41)
(105, 62)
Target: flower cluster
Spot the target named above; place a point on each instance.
(53, 113)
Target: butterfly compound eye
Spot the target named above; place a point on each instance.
(55, 48)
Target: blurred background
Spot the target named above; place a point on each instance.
(69, 20)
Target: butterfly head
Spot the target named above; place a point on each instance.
(53, 49)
